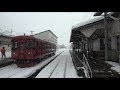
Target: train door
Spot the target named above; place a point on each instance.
(14, 49)
(22, 49)
(39, 48)
(42, 48)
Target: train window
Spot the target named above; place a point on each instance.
(14, 45)
(22, 45)
(30, 44)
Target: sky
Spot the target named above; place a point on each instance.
(60, 23)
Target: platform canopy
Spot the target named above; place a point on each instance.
(77, 29)
(76, 35)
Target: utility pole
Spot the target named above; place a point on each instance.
(31, 32)
(106, 36)
(106, 29)
(106, 32)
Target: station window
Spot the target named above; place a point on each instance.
(118, 43)
(102, 44)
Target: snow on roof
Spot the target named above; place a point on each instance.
(88, 22)
(98, 18)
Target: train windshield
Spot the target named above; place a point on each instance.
(22, 45)
(14, 45)
(30, 44)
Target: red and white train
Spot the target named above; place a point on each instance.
(28, 50)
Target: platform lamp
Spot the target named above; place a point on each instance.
(106, 32)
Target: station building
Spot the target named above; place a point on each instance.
(91, 35)
(5, 41)
(48, 36)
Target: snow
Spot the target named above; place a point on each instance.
(12, 71)
(59, 70)
(115, 66)
(87, 22)
(61, 67)
(46, 72)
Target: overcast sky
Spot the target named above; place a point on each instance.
(60, 23)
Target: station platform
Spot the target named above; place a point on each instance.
(7, 61)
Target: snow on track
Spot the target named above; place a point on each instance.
(61, 67)
(12, 71)
(48, 70)
(70, 69)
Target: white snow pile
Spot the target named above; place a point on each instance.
(115, 66)
(87, 22)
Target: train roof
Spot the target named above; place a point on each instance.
(23, 36)
(28, 37)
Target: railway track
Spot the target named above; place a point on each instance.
(61, 67)
(82, 66)
(12, 71)
(37, 71)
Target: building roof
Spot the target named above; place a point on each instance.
(88, 22)
(47, 31)
(5, 36)
(94, 20)
(76, 28)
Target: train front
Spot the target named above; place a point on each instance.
(23, 50)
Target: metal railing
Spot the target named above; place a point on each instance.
(87, 66)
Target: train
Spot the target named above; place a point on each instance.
(28, 50)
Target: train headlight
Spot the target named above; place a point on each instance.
(29, 53)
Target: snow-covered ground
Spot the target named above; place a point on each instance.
(12, 71)
(8, 54)
(61, 67)
(115, 66)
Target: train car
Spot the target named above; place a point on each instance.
(28, 50)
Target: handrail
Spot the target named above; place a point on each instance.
(87, 65)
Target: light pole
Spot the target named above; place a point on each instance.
(106, 32)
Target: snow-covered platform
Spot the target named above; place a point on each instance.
(7, 61)
(13, 71)
(61, 67)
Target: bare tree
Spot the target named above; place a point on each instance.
(4, 32)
